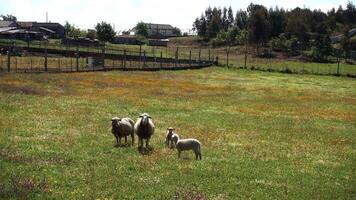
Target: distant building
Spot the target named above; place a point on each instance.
(4, 24)
(160, 31)
(48, 30)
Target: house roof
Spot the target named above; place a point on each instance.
(159, 26)
(7, 23)
(5, 29)
(25, 24)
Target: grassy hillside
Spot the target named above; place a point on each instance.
(264, 135)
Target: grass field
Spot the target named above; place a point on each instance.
(264, 135)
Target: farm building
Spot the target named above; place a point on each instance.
(20, 34)
(50, 30)
(5, 24)
(160, 30)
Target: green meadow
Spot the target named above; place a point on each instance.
(264, 135)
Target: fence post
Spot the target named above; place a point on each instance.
(160, 61)
(45, 62)
(217, 60)
(190, 58)
(59, 64)
(209, 54)
(8, 60)
(77, 59)
(144, 58)
(103, 56)
(199, 55)
(125, 59)
(140, 52)
(31, 63)
(245, 57)
(338, 63)
(176, 61)
(227, 56)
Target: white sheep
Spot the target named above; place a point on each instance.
(187, 144)
(169, 134)
(122, 128)
(144, 129)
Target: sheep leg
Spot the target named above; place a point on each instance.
(125, 139)
(133, 139)
(178, 154)
(117, 140)
(147, 143)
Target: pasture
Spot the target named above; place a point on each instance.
(264, 135)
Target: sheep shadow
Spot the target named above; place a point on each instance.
(145, 150)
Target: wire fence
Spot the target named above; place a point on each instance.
(60, 58)
(236, 58)
(57, 57)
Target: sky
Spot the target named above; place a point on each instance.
(124, 14)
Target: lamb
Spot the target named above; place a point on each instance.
(169, 141)
(144, 129)
(187, 144)
(122, 128)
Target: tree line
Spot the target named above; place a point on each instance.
(287, 30)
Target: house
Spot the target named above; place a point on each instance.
(4, 24)
(54, 30)
(49, 30)
(160, 31)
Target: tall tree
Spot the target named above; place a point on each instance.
(230, 17)
(259, 27)
(105, 32)
(73, 31)
(224, 19)
(141, 29)
(277, 20)
(241, 19)
(8, 18)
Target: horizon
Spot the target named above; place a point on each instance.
(123, 17)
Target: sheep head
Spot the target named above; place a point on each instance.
(145, 118)
(170, 130)
(115, 121)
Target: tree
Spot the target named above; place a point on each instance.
(92, 34)
(72, 31)
(177, 31)
(8, 18)
(243, 38)
(105, 32)
(241, 19)
(259, 27)
(277, 20)
(224, 20)
(230, 18)
(141, 29)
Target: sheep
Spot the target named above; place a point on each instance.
(122, 128)
(144, 129)
(169, 141)
(187, 144)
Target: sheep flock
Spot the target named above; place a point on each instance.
(144, 128)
